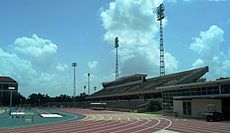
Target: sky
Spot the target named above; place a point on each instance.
(39, 41)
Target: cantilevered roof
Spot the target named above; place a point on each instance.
(7, 79)
(124, 80)
(150, 85)
(194, 85)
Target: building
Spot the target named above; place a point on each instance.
(183, 93)
(139, 87)
(134, 91)
(194, 99)
(5, 83)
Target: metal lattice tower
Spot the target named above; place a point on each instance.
(116, 69)
(74, 78)
(88, 83)
(160, 16)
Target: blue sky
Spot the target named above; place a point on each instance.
(40, 39)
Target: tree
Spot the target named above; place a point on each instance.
(155, 104)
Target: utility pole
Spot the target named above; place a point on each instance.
(116, 69)
(160, 17)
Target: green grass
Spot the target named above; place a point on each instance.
(155, 112)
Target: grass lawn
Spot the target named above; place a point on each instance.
(155, 112)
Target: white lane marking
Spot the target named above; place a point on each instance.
(170, 123)
(158, 122)
(108, 125)
(119, 122)
(138, 120)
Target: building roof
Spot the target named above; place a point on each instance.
(124, 80)
(7, 79)
(192, 85)
(150, 85)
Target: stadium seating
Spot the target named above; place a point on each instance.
(147, 85)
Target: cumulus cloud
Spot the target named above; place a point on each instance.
(92, 64)
(13, 65)
(206, 44)
(41, 52)
(34, 46)
(208, 47)
(198, 63)
(134, 22)
(62, 67)
(34, 72)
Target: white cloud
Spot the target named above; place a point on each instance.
(92, 64)
(62, 67)
(198, 63)
(208, 47)
(13, 65)
(34, 46)
(136, 26)
(41, 52)
(33, 71)
(207, 43)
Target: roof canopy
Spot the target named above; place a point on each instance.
(149, 85)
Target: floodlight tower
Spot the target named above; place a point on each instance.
(160, 16)
(74, 79)
(88, 83)
(116, 69)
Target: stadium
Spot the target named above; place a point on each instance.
(172, 103)
(182, 94)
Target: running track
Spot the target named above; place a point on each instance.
(122, 122)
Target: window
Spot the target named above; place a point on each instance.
(203, 91)
(187, 108)
(216, 89)
(225, 88)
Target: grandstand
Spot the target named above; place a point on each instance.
(127, 88)
(136, 88)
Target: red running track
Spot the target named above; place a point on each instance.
(122, 122)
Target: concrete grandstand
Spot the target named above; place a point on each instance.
(132, 92)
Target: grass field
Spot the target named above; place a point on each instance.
(155, 113)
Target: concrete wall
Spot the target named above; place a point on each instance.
(200, 106)
(178, 107)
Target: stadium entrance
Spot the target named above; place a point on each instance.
(226, 108)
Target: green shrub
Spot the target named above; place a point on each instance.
(155, 104)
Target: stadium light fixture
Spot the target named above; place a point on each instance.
(116, 69)
(74, 65)
(160, 17)
(88, 83)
